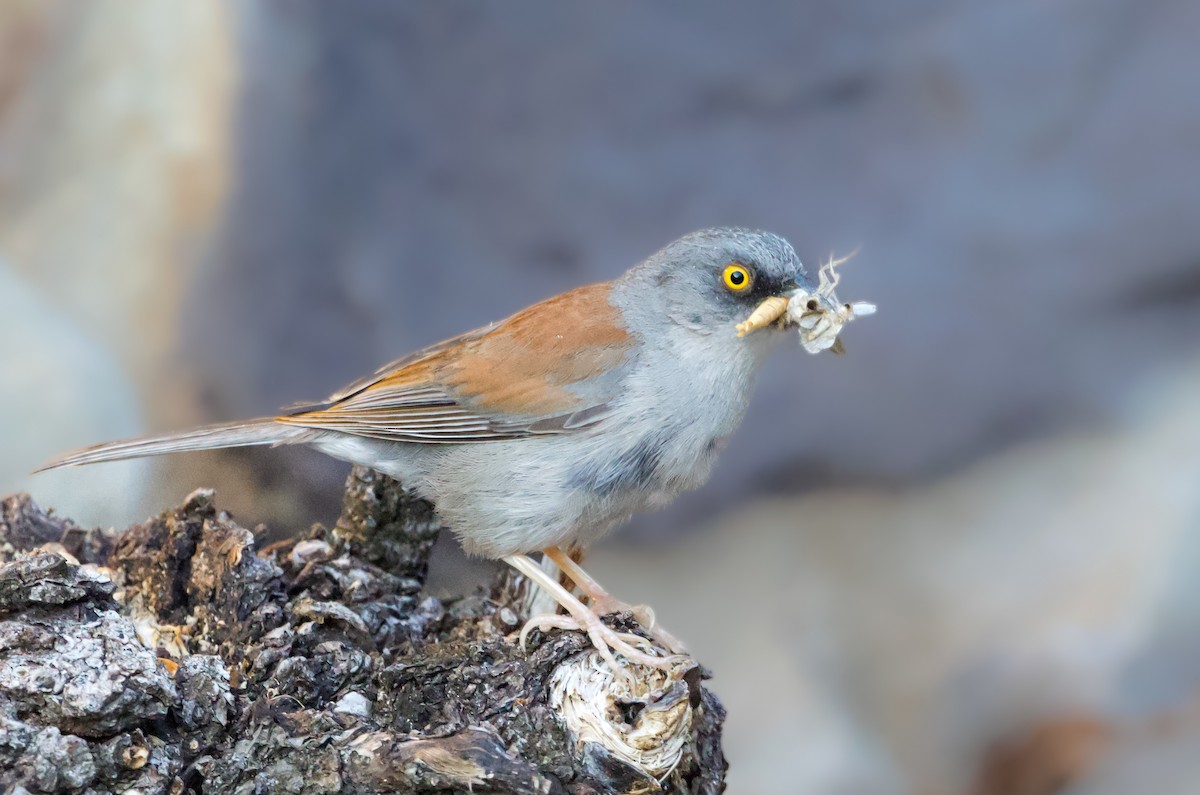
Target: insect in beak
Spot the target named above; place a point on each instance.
(818, 314)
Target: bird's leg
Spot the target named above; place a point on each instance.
(602, 602)
(538, 601)
(606, 639)
(599, 599)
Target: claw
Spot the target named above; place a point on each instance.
(544, 622)
(609, 642)
(644, 614)
(602, 602)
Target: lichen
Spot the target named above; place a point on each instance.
(177, 656)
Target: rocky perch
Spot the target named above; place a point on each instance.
(177, 657)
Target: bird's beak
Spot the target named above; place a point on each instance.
(769, 311)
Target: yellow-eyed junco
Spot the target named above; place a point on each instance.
(547, 430)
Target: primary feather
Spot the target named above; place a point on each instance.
(246, 433)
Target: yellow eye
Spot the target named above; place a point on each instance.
(736, 277)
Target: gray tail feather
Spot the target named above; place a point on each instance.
(234, 434)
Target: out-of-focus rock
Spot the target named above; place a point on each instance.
(61, 390)
(1045, 760)
(922, 629)
(114, 154)
(1159, 755)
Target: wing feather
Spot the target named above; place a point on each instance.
(548, 369)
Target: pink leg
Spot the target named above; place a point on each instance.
(604, 638)
(603, 603)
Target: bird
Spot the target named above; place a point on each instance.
(547, 430)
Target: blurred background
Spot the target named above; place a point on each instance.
(960, 560)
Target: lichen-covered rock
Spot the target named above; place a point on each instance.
(206, 703)
(83, 670)
(47, 579)
(178, 657)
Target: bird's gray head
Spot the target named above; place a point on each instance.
(714, 278)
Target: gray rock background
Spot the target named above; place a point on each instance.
(243, 205)
(59, 384)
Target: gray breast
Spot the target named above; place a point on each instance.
(630, 470)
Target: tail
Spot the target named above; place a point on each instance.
(234, 434)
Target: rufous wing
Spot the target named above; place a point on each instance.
(551, 368)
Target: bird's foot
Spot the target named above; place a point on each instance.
(608, 642)
(644, 615)
(607, 605)
(604, 603)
